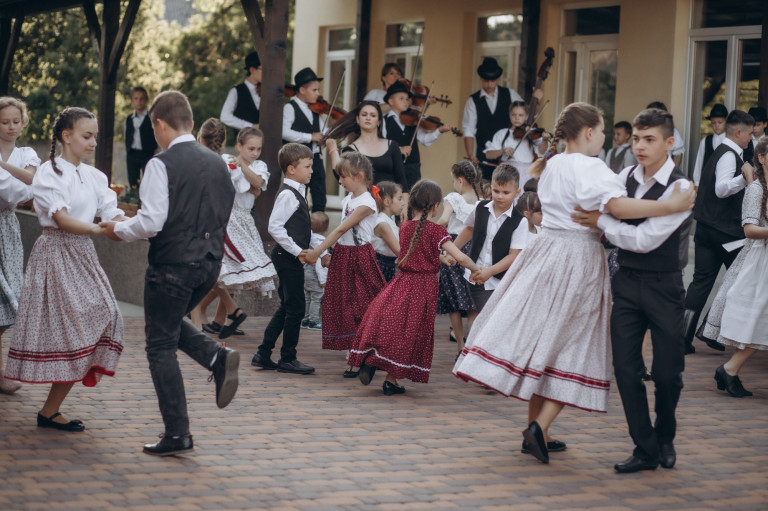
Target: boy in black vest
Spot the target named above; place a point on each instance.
(498, 232)
(719, 235)
(620, 155)
(301, 125)
(398, 97)
(241, 108)
(140, 144)
(290, 226)
(648, 293)
(758, 131)
(709, 143)
(186, 199)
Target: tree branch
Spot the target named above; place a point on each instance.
(93, 24)
(122, 38)
(255, 19)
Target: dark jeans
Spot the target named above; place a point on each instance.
(708, 258)
(479, 294)
(170, 292)
(317, 183)
(287, 318)
(135, 162)
(643, 300)
(412, 173)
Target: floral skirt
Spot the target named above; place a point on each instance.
(245, 265)
(11, 266)
(454, 289)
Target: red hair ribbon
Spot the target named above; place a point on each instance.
(375, 192)
(232, 166)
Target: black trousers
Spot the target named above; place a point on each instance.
(317, 183)
(135, 162)
(643, 300)
(287, 318)
(708, 258)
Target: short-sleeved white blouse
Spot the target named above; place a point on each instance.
(239, 181)
(82, 190)
(363, 230)
(461, 210)
(379, 245)
(13, 191)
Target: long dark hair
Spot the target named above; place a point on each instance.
(761, 148)
(347, 125)
(65, 121)
(424, 195)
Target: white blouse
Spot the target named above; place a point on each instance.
(82, 190)
(363, 230)
(461, 210)
(574, 179)
(13, 191)
(243, 198)
(379, 245)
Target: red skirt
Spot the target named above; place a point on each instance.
(397, 334)
(354, 280)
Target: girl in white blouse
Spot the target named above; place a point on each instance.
(386, 234)
(17, 168)
(69, 328)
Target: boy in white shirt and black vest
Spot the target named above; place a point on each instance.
(709, 143)
(301, 125)
(758, 131)
(140, 143)
(620, 155)
(241, 108)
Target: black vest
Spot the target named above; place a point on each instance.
(708, 149)
(403, 138)
(749, 152)
(301, 123)
(500, 242)
(245, 108)
(298, 226)
(489, 123)
(672, 255)
(722, 215)
(146, 134)
(616, 161)
(200, 198)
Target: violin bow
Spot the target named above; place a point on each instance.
(418, 123)
(530, 127)
(333, 102)
(416, 61)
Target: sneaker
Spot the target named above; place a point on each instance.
(304, 323)
(314, 325)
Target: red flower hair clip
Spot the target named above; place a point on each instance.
(232, 166)
(376, 192)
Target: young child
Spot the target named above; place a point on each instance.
(758, 131)
(708, 144)
(620, 155)
(315, 275)
(241, 108)
(354, 278)
(530, 206)
(543, 336)
(302, 126)
(390, 73)
(290, 226)
(68, 328)
(140, 143)
(454, 298)
(397, 334)
(17, 168)
(518, 153)
(386, 239)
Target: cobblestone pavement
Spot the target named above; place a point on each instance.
(321, 442)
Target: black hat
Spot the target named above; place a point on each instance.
(758, 114)
(489, 69)
(395, 88)
(252, 60)
(305, 76)
(718, 110)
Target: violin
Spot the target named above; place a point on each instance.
(288, 91)
(532, 134)
(320, 107)
(421, 94)
(410, 117)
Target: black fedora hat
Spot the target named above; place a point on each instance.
(252, 60)
(489, 69)
(718, 110)
(305, 76)
(395, 88)
(758, 114)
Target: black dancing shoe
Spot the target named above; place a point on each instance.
(295, 367)
(635, 464)
(224, 371)
(390, 388)
(667, 455)
(730, 384)
(237, 320)
(535, 438)
(212, 327)
(366, 373)
(349, 373)
(267, 363)
(553, 446)
(170, 446)
(75, 425)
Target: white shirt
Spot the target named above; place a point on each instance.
(289, 115)
(627, 161)
(654, 231)
(153, 191)
(522, 157)
(83, 191)
(574, 179)
(461, 210)
(363, 230)
(13, 191)
(423, 136)
(228, 110)
(137, 120)
(678, 146)
(699, 164)
(376, 95)
(379, 245)
(469, 120)
(485, 258)
(285, 206)
(244, 199)
(315, 241)
(725, 182)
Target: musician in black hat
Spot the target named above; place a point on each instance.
(709, 143)
(758, 131)
(241, 109)
(302, 125)
(487, 111)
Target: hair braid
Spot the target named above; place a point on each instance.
(415, 239)
(761, 149)
(52, 156)
(424, 196)
(66, 120)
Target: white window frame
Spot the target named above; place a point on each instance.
(410, 52)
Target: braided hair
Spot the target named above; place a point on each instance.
(469, 171)
(66, 120)
(212, 134)
(761, 149)
(423, 197)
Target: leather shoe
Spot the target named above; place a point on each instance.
(224, 371)
(730, 384)
(295, 367)
(170, 446)
(712, 343)
(366, 373)
(259, 360)
(667, 455)
(535, 438)
(349, 373)
(553, 446)
(390, 388)
(43, 422)
(635, 464)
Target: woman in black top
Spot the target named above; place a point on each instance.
(364, 124)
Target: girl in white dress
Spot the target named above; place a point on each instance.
(17, 168)
(530, 206)
(69, 328)
(386, 234)
(543, 336)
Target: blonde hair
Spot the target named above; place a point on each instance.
(213, 134)
(8, 101)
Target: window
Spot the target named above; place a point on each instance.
(593, 21)
(498, 36)
(402, 47)
(716, 13)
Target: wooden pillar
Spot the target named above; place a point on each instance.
(529, 48)
(362, 45)
(10, 31)
(762, 94)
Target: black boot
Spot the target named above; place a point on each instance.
(690, 317)
(712, 343)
